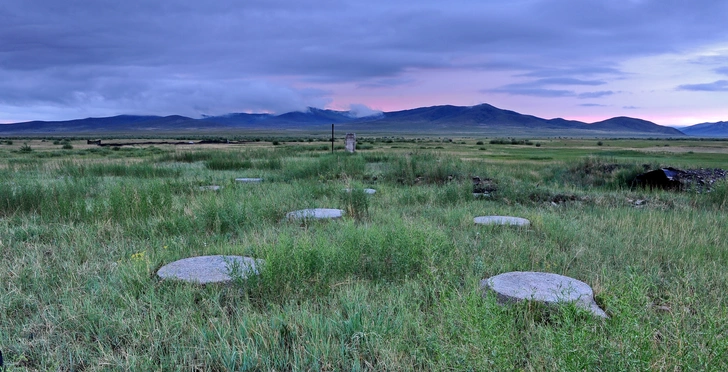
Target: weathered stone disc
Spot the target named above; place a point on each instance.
(366, 191)
(501, 220)
(543, 287)
(249, 180)
(316, 214)
(211, 187)
(209, 269)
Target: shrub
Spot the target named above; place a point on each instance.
(25, 148)
(512, 141)
(67, 146)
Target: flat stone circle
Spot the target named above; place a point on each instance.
(249, 180)
(211, 187)
(366, 191)
(501, 220)
(543, 287)
(209, 269)
(316, 214)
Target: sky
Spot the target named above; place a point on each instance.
(660, 60)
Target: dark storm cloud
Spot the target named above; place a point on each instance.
(716, 86)
(543, 88)
(386, 83)
(530, 91)
(568, 81)
(722, 70)
(602, 93)
(574, 71)
(518, 90)
(711, 60)
(191, 56)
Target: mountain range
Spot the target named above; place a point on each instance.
(482, 119)
(719, 129)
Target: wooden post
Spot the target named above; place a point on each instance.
(332, 138)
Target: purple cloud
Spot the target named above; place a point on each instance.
(716, 86)
(529, 91)
(722, 70)
(599, 94)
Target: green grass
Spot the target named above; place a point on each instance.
(392, 286)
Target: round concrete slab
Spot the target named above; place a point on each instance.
(543, 287)
(501, 220)
(210, 188)
(315, 214)
(249, 180)
(366, 191)
(209, 269)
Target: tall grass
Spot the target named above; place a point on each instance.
(139, 170)
(601, 172)
(717, 196)
(228, 160)
(394, 285)
(327, 167)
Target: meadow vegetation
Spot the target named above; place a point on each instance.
(392, 286)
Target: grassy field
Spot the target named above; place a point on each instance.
(392, 286)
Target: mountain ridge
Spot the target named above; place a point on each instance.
(481, 118)
(717, 129)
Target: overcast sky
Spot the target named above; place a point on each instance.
(660, 60)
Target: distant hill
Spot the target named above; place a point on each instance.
(627, 124)
(719, 129)
(120, 123)
(482, 119)
(485, 118)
